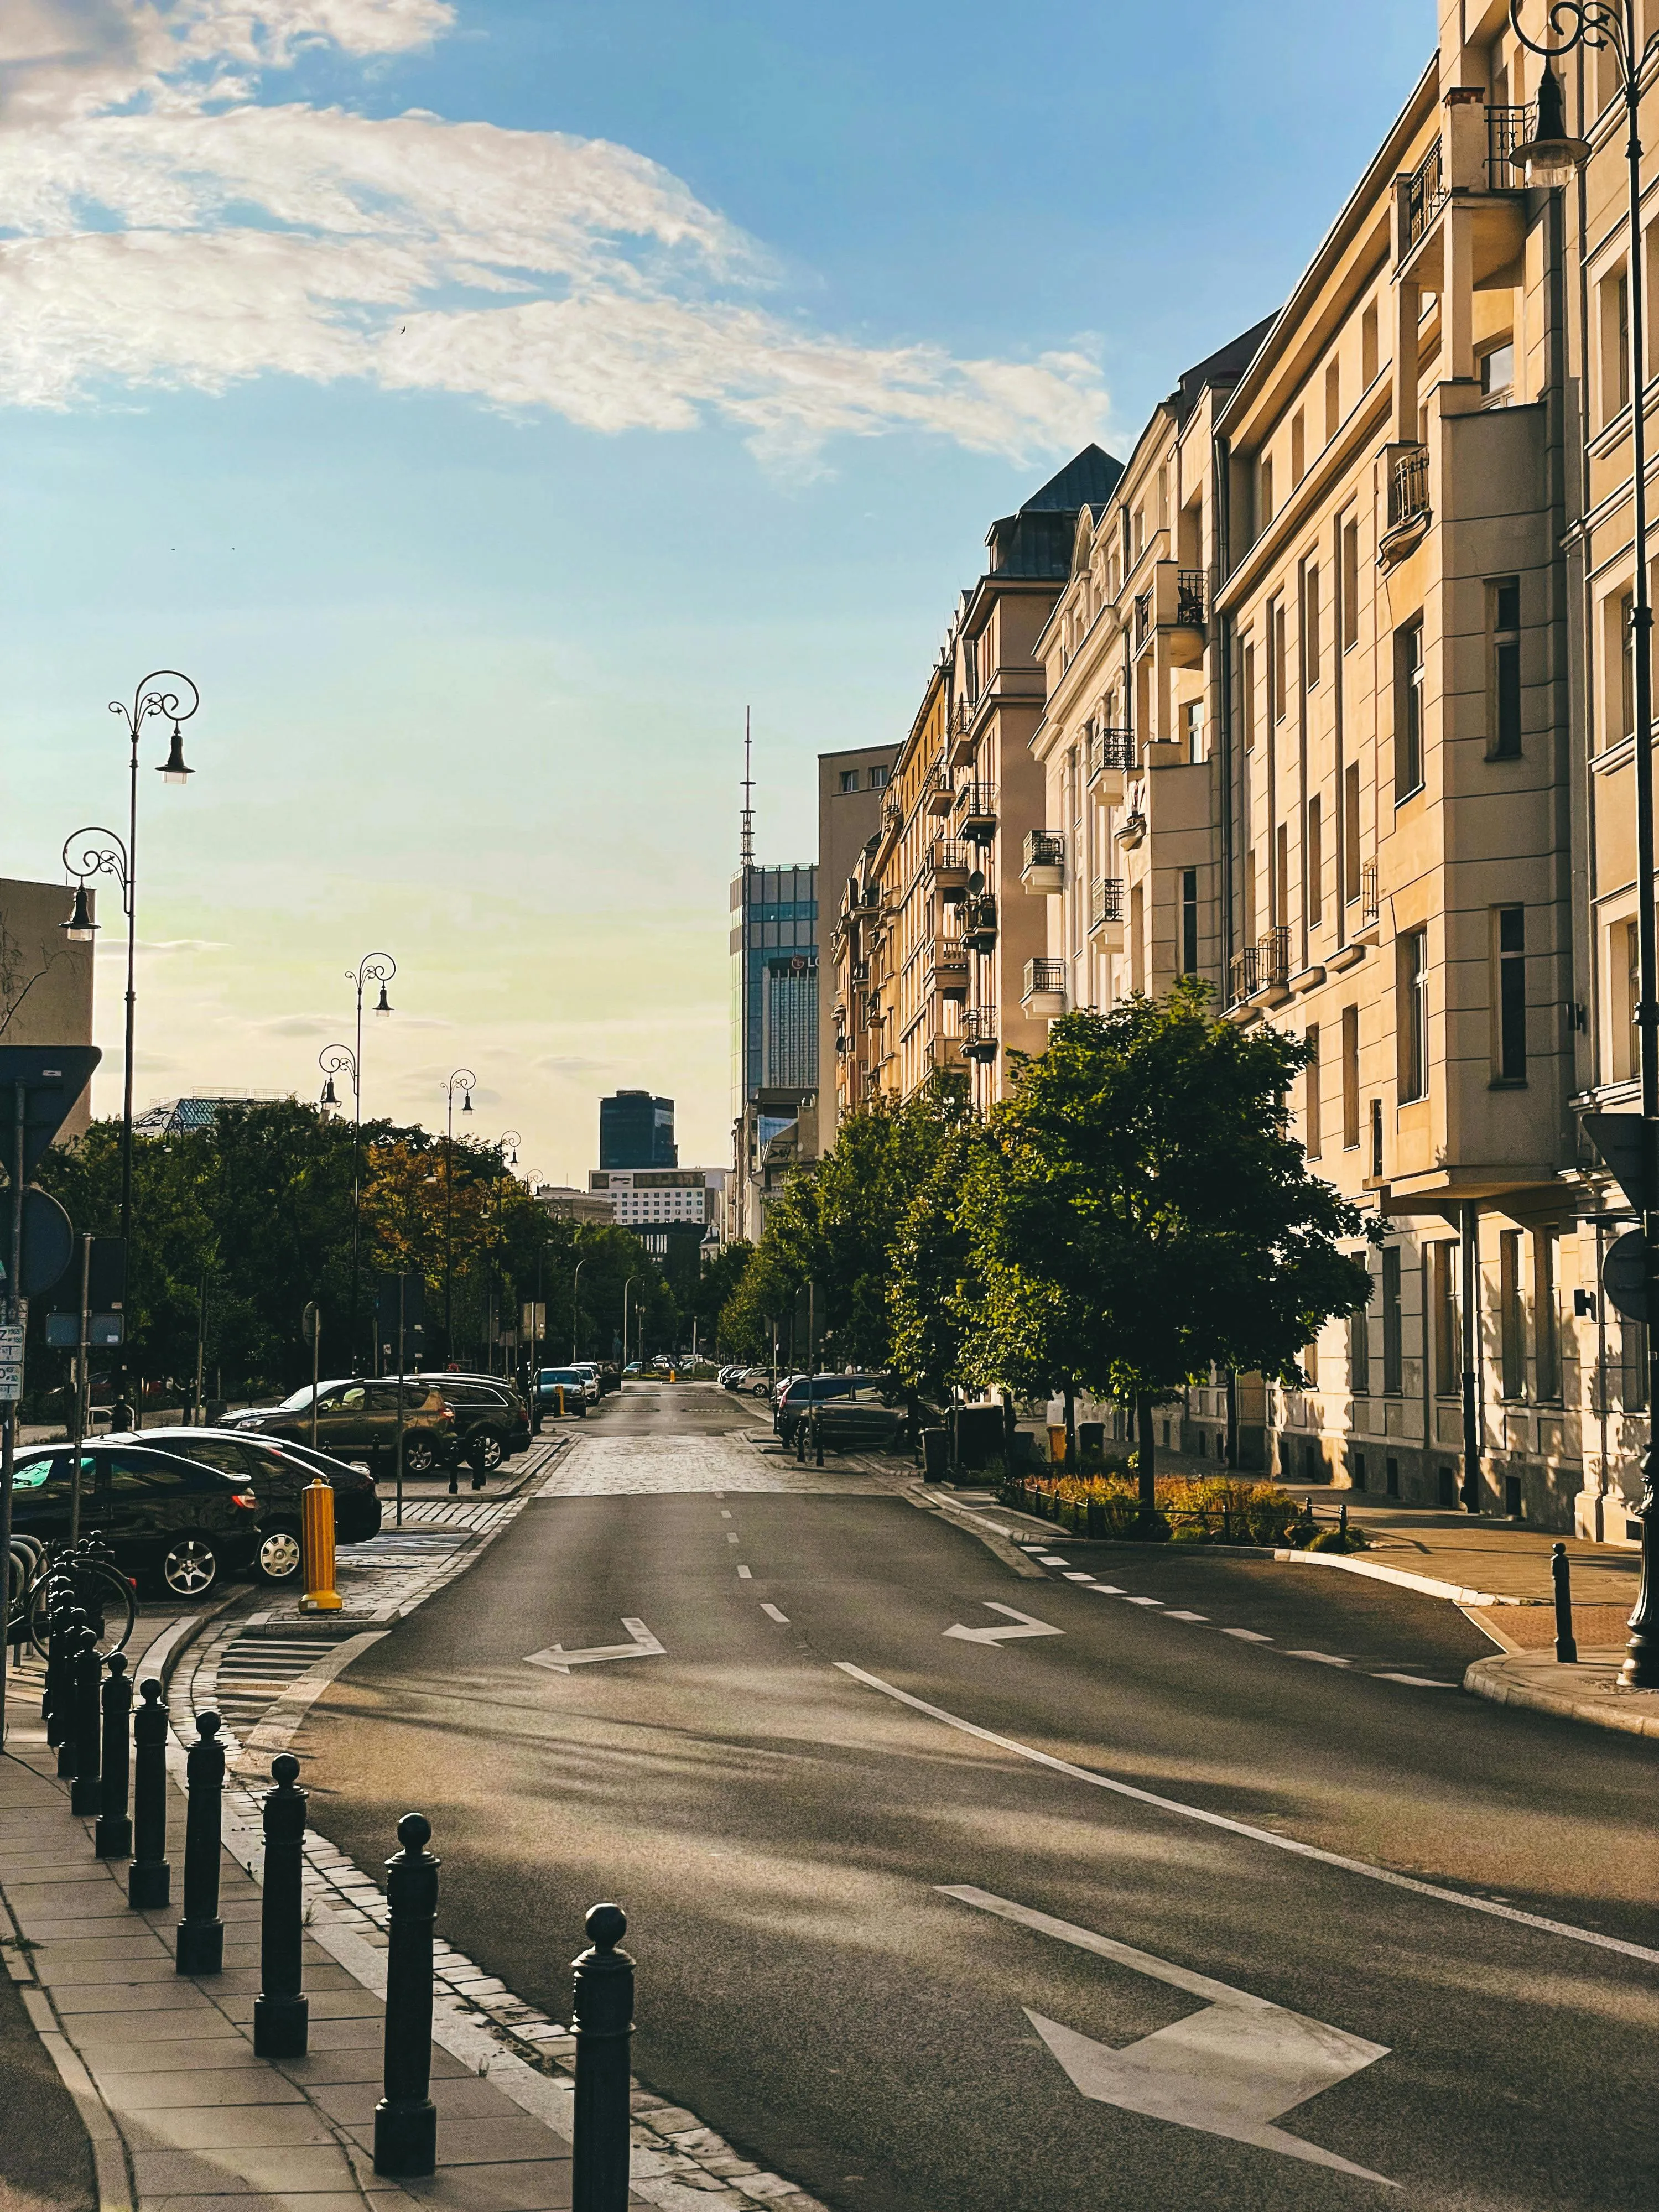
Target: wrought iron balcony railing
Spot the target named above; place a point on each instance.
(1190, 596)
(978, 1033)
(1044, 849)
(979, 923)
(1408, 486)
(1506, 129)
(1111, 751)
(1368, 894)
(1045, 979)
(1424, 196)
(1247, 972)
(1105, 900)
(1143, 617)
(1276, 955)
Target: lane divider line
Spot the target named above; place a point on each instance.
(1222, 1820)
(744, 1575)
(772, 1614)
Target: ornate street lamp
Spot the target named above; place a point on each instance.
(463, 1080)
(100, 852)
(342, 1060)
(1550, 158)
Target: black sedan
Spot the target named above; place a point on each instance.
(186, 1524)
(278, 1470)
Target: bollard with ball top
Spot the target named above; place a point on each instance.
(149, 1878)
(201, 1940)
(405, 2119)
(602, 2021)
(56, 1702)
(1567, 1645)
(112, 1838)
(282, 2015)
(86, 1796)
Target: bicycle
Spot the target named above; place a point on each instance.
(103, 1594)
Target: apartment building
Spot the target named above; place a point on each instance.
(852, 791)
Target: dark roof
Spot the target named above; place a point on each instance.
(1225, 366)
(1036, 542)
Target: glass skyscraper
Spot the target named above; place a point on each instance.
(775, 981)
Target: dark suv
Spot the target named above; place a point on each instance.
(278, 1471)
(357, 1418)
(189, 1525)
(491, 1423)
(855, 1411)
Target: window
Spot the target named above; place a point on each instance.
(1393, 1363)
(1621, 645)
(1509, 953)
(877, 779)
(1546, 1321)
(1247, 691)
(1633, 1362)
(1310, 625)
(849, 779)
(1412, 1014)
(1357, 1468)
(1249, 896)
(1497, 373)
(1359, 1354)
(1192, 721)
(34, 1473)
(1310, 1116)
(1627, 1033)
(1351, 832)
(1368, 345)
(1298, 448)
(1615, 344)
(1407, 709)
(1279, 670)
(1350, 584)
(1511, 1319)
(1189, 921)
(1137, 938)
(1391, 1477)
(1316, 864)
(1443, 1279)
(1333, 400)
(1265, 490)
(1350, 1078)
(1504, 680)
(1282, 876)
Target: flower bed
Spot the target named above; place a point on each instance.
(1189, 1510)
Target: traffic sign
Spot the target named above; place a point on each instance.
(53, 1076)
(1617, 1138)
(1625, 1275)
(63, 1330)
(11, 1362)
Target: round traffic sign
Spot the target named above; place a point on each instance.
(1625, 1275)
(48, 1241)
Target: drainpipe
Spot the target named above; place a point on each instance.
(1469, 1232)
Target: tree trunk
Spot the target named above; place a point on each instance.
(1071, 1430)
(1146, 1465)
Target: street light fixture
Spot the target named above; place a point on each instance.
(462, 1079)
(342, 1060)
(100, 852)
(1550, 158)
(576, 1309)
(627, 1287)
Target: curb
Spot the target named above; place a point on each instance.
(1488, 1678)
(1430, 1585)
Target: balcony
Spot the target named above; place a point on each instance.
(979, 923)
(892, 817)
(1246, 974)
(1422, 196)
(978, 1033)
(1368, 901)
(861, 971)
(1506, 129)
(1191, 599)
(939, 794)
(1143, 618)
(1044, 996)
(1106, 912)
(1111, 758)
(945, 1054)
(1408, 485)
(1044, 871)
(961, 741)
(949, 861)
(946, 969)
(976, 813)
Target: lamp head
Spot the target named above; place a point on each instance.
(330, 1101)
(383, 1005)
(466, 1102)
(1550, 157)
(172, 769)
(80, 928)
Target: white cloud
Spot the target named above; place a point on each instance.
(162, 229)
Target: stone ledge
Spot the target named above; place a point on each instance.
(1589, 1693)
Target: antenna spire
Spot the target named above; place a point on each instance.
(748, 844)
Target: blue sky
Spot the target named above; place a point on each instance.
(484, 399)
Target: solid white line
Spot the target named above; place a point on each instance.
(1416, 1681)
(1254, 1835)
(1186, 1616)
(772, 1614)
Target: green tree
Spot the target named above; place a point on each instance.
(935, 1284)
(1139, 1213)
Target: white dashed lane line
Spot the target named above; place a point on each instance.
(1199, 1619)
(772, 1614)
(744, 1575)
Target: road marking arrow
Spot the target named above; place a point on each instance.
(558, 1660)
(1230, 2069)
(1026, 1626)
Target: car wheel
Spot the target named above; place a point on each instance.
(420, 1456)
(761, 1390)
(485, 1453)
(190, 1567)
(277, 1559)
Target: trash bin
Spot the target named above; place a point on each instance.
(1057, 1443)
(935, 1454)
(1090, 1439)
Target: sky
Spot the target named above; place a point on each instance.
(484, 401)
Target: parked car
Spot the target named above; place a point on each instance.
(634, 1367)
(569, 1381)
(357, 1418)
(491, 1422)
(589, 1369)
(278, 1471)
(610, 1377)
(188, 1525)
(758, 1382)
(852, 1408)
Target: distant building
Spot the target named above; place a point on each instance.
(666, 1209)
(45, 982)
(851, 795)
(172, 1117)
(637, 1131)
(777, 1132)
(774, 981)
(566, 1204)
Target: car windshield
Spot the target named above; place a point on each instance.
(560, 1374)
(292, 1404)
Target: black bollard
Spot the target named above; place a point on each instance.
(149, 1878)
(405, 2119)
(602, 2021)
(201, 1932)
(53, 1704)
(68, 1643)
(817, 1439)
(800, 1441)
(282, 2015)
(112, 1838)
(1566, 1647)
(86, 1796)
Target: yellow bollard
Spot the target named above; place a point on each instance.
(559, 1387)
(317, 1548)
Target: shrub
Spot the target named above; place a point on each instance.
(1191, 1509)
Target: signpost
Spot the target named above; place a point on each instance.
(400, 1328)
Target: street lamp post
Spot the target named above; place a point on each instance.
(508, 1146)
(463, 1080)
(1551, 158)
(120, 859)
(576, 1307)
(627, 1287)
(343, 1060)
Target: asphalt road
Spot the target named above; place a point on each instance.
(783, 1833)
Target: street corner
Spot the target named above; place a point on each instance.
(1588, 1690)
